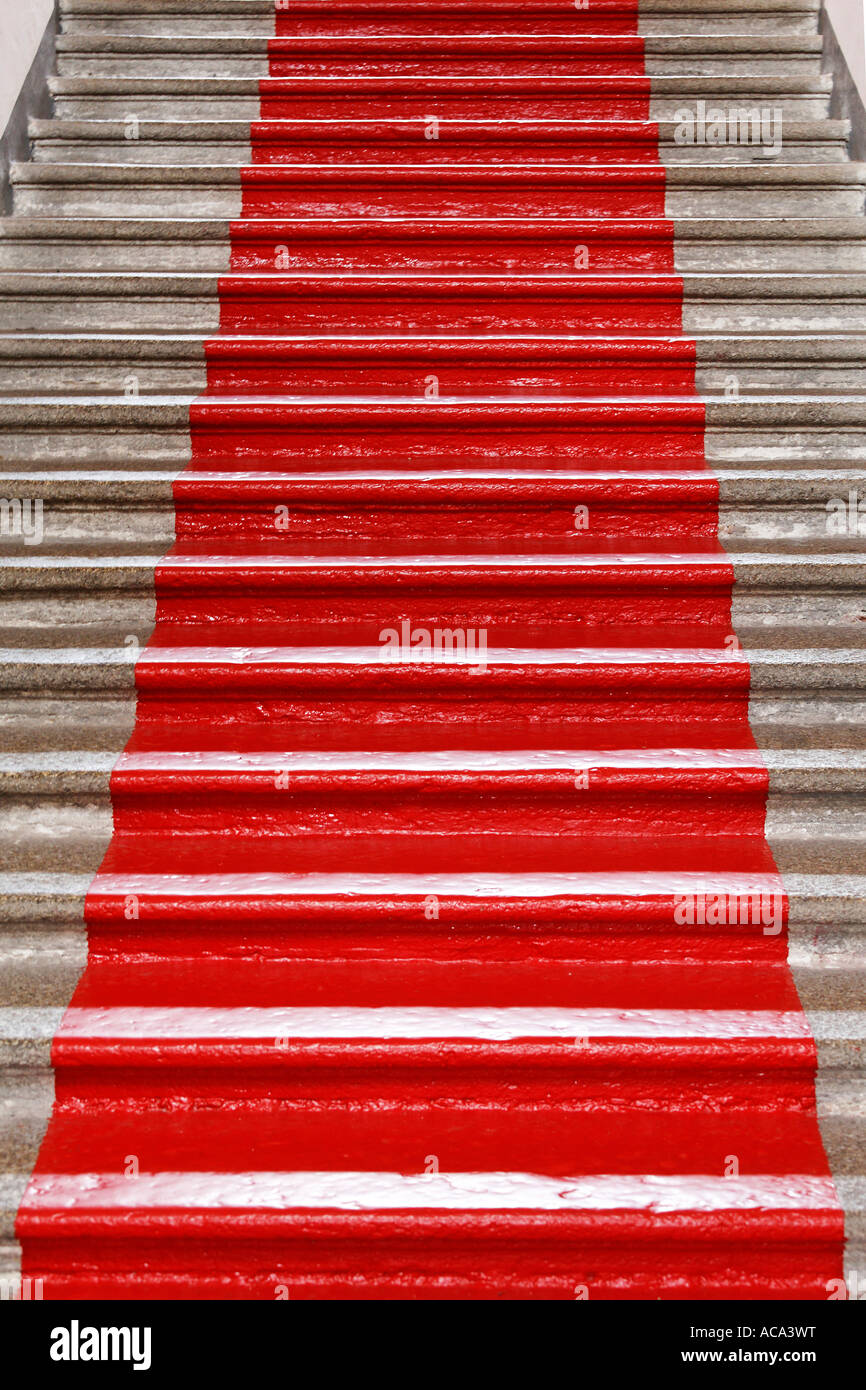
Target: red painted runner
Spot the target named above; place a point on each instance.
(439, 951)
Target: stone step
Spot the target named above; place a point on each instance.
(798, 601)
(157, 425)
(240, 98)
(757, 189)
(813, 793)
(137, 506)
(389, 12)
(66, 302)
(120, 364)
(257, 17)
(135, 55)
(158, 243)
(228, 142)
(827, 890)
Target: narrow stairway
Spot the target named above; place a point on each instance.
(438, 680)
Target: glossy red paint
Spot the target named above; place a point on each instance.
(431, 140)
(438, 415)
(529, 246)
(497, 370)
(454, 190)
(594, 98)
(387, 17)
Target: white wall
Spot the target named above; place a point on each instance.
(847, 18)
(22, 24)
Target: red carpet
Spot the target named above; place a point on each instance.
(439, 951)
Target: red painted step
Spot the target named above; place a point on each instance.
(280, 433)
(162, 793)
(486, 16)
(439, 951)
(453, 190)
(497, 368)
(521, 1140)
(417, 304)
(596, 97)
(430, 140)
(562, 18)
(455, 55)
(417, 244)
(380, 506)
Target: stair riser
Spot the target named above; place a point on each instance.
(757, 379)
(739, 23)
(494, 256)
(200, 316)
(401, 1077)
(244, 107)
(773, 316)
(163, 449)
(469, 1279)
(788, 66)
(111, 604)
(156, 528)
(403, 1138)
(457, 811)
(121, 525)
(195, 201)
(426, 804)
(262, 26)
(103, 449)
(145, 153)
(193, 256)
(583, 244)
(239, 154)
(114, 378)
(429, 525)
(505, 611)
(45, 314)
(44, 905)
(421, 380)
(466, 312)
(66, 314)
(412, 937)
(420, 376)
(771, 255)
(813, 447)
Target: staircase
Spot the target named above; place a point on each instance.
(433, 656)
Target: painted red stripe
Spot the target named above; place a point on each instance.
(542, 1140)
(597, 97)
(447, 889)
(414, 244)
(465, 16)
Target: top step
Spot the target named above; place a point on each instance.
(315, 9)
(411, 9)
(464, 16)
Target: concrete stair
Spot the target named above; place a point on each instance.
(115, 270)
